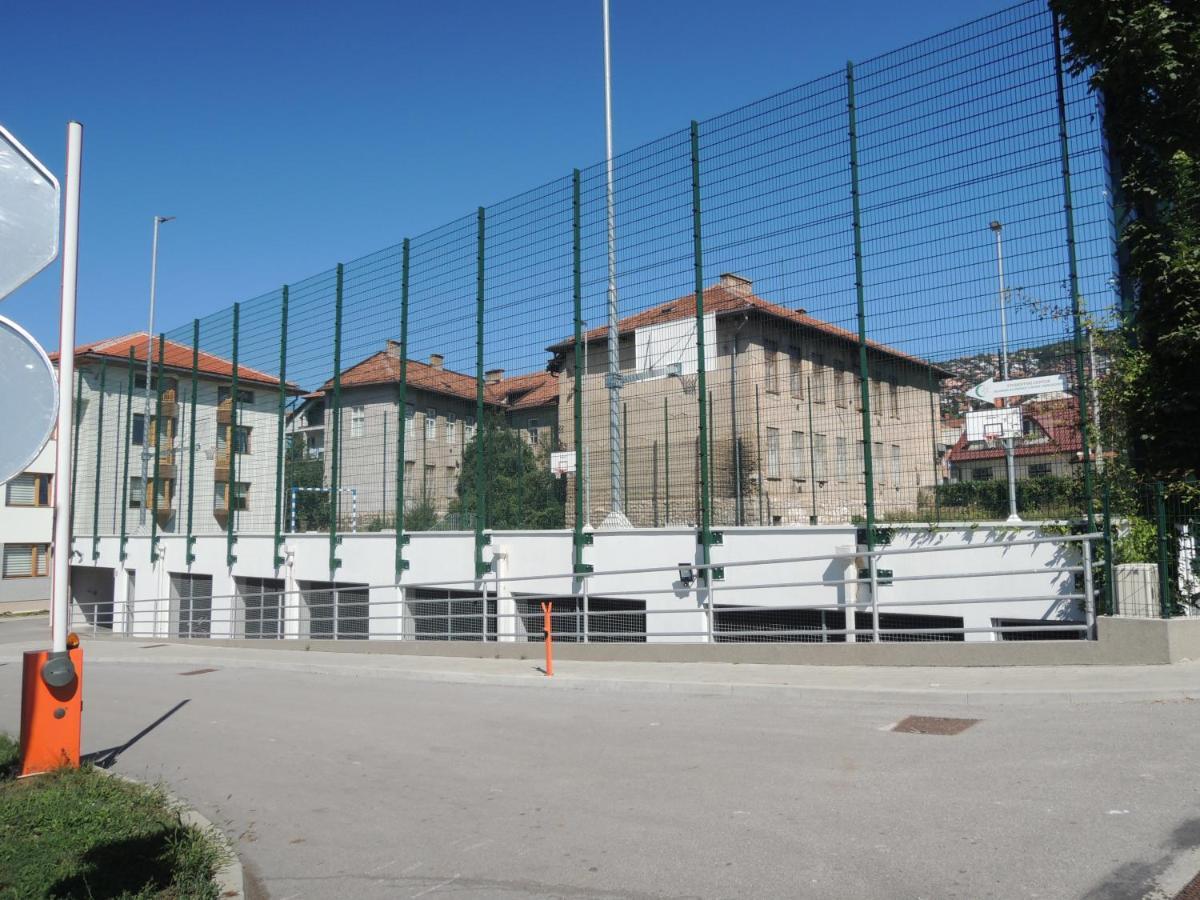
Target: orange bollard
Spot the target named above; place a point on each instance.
(546, 607)
(51, 717)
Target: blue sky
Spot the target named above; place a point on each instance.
(285, 137)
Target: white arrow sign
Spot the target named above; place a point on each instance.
(993, 390)
(28, 215)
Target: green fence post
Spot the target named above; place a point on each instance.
(1073, 274)
(758, 451)
(707, 537)
(157, 452)
(122, 553)
(625, 479)
(190, 551)
(335, 416)
(75, 441)
(1110, 588)
(402, 425)
(1164, 566)
(231, 495)
(99, 457)
(279, 427)
(864, 372)
(813, 517)
(578, 566)
(933, 424)
(666, 465)
(481, 441)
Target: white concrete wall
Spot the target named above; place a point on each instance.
(988, 566)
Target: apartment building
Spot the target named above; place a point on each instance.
(203, 449)
(441, 413)
(26, 528)
(784, 409)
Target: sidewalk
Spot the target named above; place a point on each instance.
(1064, 684)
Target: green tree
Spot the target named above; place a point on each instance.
(1143, 59)
(519, 490)
(312, 507)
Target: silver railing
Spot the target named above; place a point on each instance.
(695, 606)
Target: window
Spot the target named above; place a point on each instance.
(981, 474)
(469, 428)
(799, 463)
(894, 396)
(861, 461)
(410, 489)
(451, 427)
(533, 430)
(795, 374)
(772, 452)
(430, 424)
(358, 421)
(843, 459)
(26, 560)
(820, 457)
(240, 496)
(771, 356)
(29, 489)
(1039, 470)
(876, 397)
(896, 466)
(818, 384)
(241, 438)
(138, 433)
(243, 396)
(137, 493)
(839, 387)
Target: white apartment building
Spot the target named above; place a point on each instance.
(26, 526)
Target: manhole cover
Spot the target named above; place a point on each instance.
(198, 672)
(933, 725)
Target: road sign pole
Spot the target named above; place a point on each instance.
(60, 583)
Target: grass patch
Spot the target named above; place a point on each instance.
(82, 834)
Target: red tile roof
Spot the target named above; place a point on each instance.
(721, 300)
(519, 392)
(1058, 419)
(176, 358)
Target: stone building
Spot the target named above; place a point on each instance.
(784, 405)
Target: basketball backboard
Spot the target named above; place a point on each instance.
(994, 423)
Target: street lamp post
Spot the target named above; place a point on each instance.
(998, 227)
(158, 220)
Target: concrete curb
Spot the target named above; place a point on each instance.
(229, 878)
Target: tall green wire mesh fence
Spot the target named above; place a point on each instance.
(868, 247)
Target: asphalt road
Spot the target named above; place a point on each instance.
(354, 783)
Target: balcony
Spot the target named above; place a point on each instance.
(221, 466)
(225, 412)
(170, 404)
(166, 470)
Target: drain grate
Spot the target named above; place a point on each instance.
(198, 672)
(933, 725)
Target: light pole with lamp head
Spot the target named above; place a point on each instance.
(158, 220)
(997, 227)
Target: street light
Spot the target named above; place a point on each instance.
(997, 228)
(158, 220)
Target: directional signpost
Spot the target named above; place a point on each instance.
(992, 390)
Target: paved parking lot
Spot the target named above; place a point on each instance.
(341, 775)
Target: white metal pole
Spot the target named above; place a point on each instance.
(613, 377)
(60, 584)
(1010, 464)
